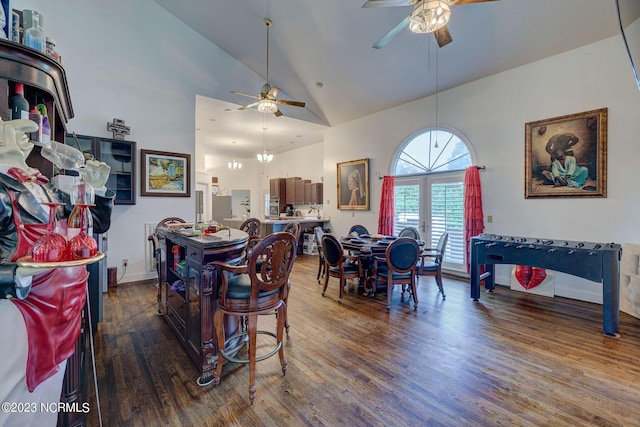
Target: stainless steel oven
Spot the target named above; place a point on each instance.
(274, 208)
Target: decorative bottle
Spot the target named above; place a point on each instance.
(18, 104)
(34, 36)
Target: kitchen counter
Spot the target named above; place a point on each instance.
(282, 220)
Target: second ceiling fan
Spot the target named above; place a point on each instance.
(428, 16)
(267, 101)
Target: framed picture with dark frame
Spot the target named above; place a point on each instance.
(353, 185)
(165, 174)
(566, 156)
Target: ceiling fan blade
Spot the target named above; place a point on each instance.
(292, 103)
(278, 113)
(391, 34)
(248, 106)
(459, 2)
(387, 3)
(443, 36)
(273, 93)
(244, 94)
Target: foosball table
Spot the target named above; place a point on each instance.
(598, 262)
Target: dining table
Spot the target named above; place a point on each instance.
(366, 248)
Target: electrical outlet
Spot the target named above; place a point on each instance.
(125, 262)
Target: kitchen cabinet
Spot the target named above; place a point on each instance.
(290, 187)
(277, 188)
(120, 155)
(316, 193)
(299, 194)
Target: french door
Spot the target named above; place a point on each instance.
(434, 204)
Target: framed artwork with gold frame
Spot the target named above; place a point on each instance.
(566, 156)
(353, 185)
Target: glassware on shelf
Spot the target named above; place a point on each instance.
(52, 246)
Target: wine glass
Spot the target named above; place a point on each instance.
(52, 246)
(82, 245)
(80, 224)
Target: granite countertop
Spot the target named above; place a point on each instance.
(282, 220)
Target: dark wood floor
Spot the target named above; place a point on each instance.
(511, 359)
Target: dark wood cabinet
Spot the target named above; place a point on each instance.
(188, 295)
(120, 155)
(290, 197)
(299, 193)
(316, 193)
(277, 188)
(45, 82)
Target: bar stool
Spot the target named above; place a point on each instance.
(251, 290)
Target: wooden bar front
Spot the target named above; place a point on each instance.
(188, 295)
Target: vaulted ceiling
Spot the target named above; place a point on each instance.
(321, 51)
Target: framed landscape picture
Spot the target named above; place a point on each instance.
(353, 185)
(567, 156)
(165, 174)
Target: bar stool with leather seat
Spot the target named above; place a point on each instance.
(293, 228)
(398, 268)
(338, 264)
(247, 291)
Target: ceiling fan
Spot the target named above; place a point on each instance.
(428, 16)
(266, 100)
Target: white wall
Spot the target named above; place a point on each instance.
(134, 61)
(491, 114)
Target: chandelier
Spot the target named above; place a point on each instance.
(265, 157)
(429, 16)
(234, 165)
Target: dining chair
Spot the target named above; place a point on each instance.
(249, 291)
(398, 268)
(338, 264)
(319, 232)
(433, 267)
(410, 232)
(251, 226)
(360, 229)
(293, 228)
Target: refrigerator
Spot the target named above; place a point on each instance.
(220, 208)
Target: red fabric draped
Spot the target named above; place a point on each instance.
(387, 207)
(473, 216)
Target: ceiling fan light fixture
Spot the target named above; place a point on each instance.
(267, 106)
(429, 16)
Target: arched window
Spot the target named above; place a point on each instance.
(432, 150)
(429, 189)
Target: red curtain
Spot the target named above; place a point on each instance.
(473, 216)
(385, 217)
